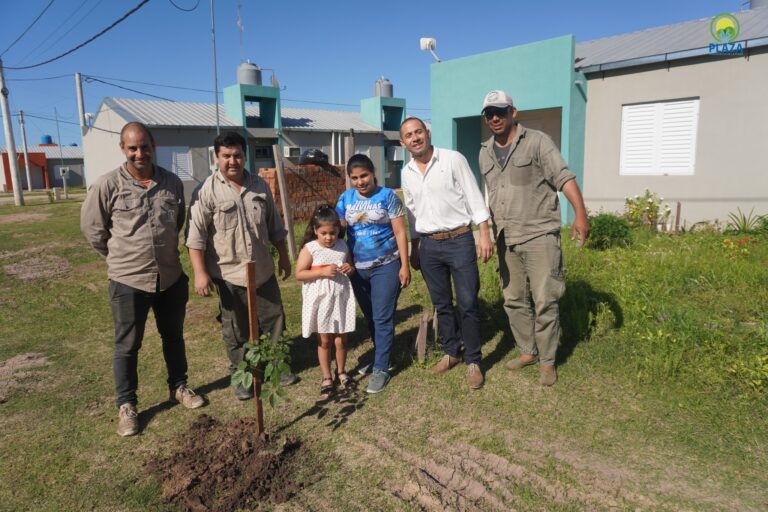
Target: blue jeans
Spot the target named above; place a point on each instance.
(377, 290)
(441, 261)
(130, 308)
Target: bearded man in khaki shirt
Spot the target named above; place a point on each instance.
(232, 220)
(132, 217)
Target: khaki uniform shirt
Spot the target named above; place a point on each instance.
(233, 227)
(136, 228)
(522, 193)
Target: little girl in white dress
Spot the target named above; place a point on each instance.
(324, 266)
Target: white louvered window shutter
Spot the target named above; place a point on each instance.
(659, 138)
(176, 159)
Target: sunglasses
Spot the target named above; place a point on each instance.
(492, 112)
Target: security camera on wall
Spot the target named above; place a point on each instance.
(428, 44)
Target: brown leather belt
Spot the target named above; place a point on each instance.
(445, 235)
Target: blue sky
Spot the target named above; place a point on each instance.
(330, 51)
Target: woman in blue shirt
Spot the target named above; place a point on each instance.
(375, 220)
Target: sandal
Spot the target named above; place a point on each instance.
(326, 386)
(345, 381)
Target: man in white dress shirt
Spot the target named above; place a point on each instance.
(443, 200)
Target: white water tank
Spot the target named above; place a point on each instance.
(248, 73)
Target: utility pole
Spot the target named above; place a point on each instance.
(18, 196)
(215, 73)
(61, 155)
(80, 103)
(24, 148)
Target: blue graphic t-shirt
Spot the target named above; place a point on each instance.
(369, 229)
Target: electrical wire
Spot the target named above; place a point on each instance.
(52, 33)
(27, 29)
(72, 27)
(185, 10)
(148, 83)
(92, 79)
(113, 25)
(35, 116)
(38, 79)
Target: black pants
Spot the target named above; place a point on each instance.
(130, 308)
(235, 328)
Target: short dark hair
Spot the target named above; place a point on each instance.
(139, 126)
(229, 140)
(412, 118)
(324, 214)
(361, 161)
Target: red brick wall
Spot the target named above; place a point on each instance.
(309, 186)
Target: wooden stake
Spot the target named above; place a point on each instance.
(285, 201)
(677, 218)
(253, 337)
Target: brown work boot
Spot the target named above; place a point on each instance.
(187, 397)
(518, 363)
(474, 376)
(446, 363)
(547, 375)
(128, 422)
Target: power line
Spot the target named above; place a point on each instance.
(37, 79)
(113, 25)
(27, 114)
(92, 79)
(148, 83)
(65, 23)
(27, 29)
(185, 10)
(72, 27)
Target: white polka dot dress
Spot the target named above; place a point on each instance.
(328, 303)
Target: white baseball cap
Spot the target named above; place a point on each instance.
(498, 99)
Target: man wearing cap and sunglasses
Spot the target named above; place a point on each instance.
(523, 171)
(443, 200)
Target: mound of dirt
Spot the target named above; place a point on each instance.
(227, 467)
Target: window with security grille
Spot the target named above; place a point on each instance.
(176, 159)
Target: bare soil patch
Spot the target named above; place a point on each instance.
(43, 267)
(13, 371)
(223, 467)
(23, 217)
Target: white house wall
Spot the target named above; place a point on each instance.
(731, 169)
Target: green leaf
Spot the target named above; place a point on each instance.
(242, 366)
(247, 381)
(273, 400)
(236, 378)
(282, 392)
(284, 368)
(268, 371)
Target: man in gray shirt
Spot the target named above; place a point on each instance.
(523, 171)
(232, 220)
(132, 217)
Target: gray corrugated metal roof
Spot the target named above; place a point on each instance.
(177, 113)
(52, 152)
(666, 39)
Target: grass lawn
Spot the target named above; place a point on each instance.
(661, 403)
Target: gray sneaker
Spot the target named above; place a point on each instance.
(378, 382)
(288, 379)
(128, 422)
(242, 393)
(187, 397)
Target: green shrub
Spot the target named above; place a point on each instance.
(608, 230)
